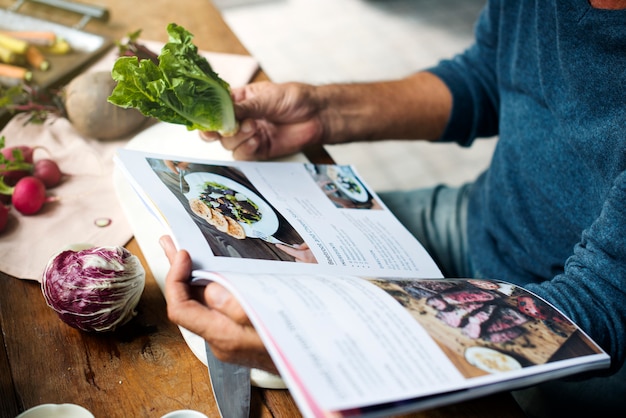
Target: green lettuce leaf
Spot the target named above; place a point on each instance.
(182, 89)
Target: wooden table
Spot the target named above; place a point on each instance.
(145, 369)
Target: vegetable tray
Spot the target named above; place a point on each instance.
(86, 47)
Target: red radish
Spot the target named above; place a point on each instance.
(16, 162)
(29, 195)
(13, 153)
(48, 172)
(11, 177)
(4, 216)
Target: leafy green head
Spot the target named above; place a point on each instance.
(182, 88)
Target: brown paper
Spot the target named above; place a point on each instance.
(84, 196)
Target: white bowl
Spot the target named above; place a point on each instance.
(184, 413)
(51, 410)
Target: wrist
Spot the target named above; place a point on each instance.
(345, 115)
(416, 107)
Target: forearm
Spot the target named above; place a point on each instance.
(416, 107)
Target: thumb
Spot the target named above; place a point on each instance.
(252, 108)
(252, 101)
(220, 299)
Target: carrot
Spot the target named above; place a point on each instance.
(16, 45)
(36, 59)
(46, 38)
(13, 71)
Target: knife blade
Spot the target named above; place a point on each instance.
(231, 386)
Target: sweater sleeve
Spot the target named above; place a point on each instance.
(472, 80)
(592, 288)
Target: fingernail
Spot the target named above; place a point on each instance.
(208, 136)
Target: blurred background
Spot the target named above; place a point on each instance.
(322, 41)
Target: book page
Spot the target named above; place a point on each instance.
(343, 343)
(275, 216)
(384, 357)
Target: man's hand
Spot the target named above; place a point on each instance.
(212, 313)
(276, 120)
(282, 119)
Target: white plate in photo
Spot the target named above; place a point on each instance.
(266, 226)
(346, 181)
(490, 360)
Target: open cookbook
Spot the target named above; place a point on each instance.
(354, 312)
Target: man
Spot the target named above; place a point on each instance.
(549, 78)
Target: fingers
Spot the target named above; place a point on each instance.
(275, 120)
(213, 314)
(210, 136)
(177, 290)
(245, 128)
(220, 299)
(179, 293)
(247, 350)
(231, 335)
(245, 144)
(168, 246)
(185, 308)
(239, 94)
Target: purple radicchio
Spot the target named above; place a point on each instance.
(94, 289)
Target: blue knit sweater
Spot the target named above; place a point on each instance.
(549, 77)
